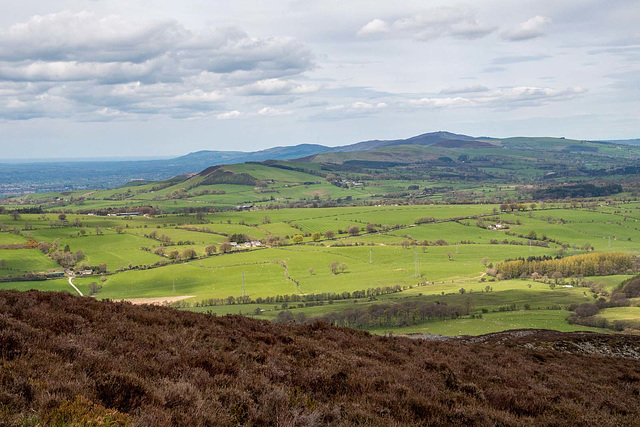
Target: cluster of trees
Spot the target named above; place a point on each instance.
(393, 315)
(533, 236)
(63, 257)
(239, 238)
(94, 288)
(165, 240)
(15, 230)
(439, 242)
(594, 264)
(296, 298)
(336, 267)
(227, 177)
(577, 190)
(176, 255)
(519, 242)
(587, 314)
(510, 207)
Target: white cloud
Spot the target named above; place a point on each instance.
(110, 72)
(434, 23)
(512, 97)
(111, 64)
(270, 111)
(85, 37)
(530, 29)
(229, 115)
(442, 102)
(528, 95)
(377, 26)
(359, 105)
(278, 87)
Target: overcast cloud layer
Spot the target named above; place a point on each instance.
(120, 78)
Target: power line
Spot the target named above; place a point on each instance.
(244, 288)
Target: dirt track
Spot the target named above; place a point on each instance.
(156, 301)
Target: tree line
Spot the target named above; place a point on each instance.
(587, 314)
(594, 264)
(296, 298)
(389, 315)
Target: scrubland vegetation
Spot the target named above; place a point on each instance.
(76, 361)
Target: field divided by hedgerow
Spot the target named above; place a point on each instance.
(429, 259)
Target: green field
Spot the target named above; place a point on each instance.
(19, 261)
(496, 322)
(441, 261)
(621, 313)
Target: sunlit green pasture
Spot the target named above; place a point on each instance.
(453, 273)
(16, 262)
(12, 239)
(197, 279)
(621, 313)
(495, 322)
(220, 276)
(43, 285)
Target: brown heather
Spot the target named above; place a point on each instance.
(66, 360)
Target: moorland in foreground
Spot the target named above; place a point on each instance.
(72, 360)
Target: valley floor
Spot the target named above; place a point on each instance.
(314, 262)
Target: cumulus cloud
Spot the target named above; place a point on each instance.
(109, 65)
(278, 87)
(376, 26)
(271, 111)
(530, 29)
(85, 37)
(442, 102)
(435, 23)
(529, 95)
(505, 98)
(229, 115)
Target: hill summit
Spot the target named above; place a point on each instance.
(71, 360)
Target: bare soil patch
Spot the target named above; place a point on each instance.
(157, 301)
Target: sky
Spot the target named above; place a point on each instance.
(92, 78)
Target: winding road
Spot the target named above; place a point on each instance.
(74, 287)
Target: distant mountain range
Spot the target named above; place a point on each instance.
(59, 175)
(209, 158)
(202, 159)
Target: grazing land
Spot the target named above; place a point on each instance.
(310, 262)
